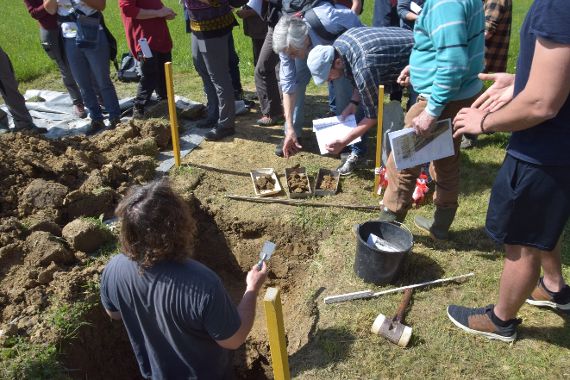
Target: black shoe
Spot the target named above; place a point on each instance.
(30, 129)
(94, 127)
(543, 297)
(113, 123)
(279, 148)
(219, 132)
(206, 123)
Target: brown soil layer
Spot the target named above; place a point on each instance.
(47, 253)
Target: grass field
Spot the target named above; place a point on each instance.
(342, 346)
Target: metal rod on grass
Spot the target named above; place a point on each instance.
(172, 113)
(370, 294)
(379, 135)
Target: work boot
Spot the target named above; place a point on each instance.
(438, 227)
(94, 127)
(389, 216)
(219, 132)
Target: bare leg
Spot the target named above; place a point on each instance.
(519, 277)
(551, 263)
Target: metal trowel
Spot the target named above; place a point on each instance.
(266, 253)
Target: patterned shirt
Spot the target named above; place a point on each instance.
(498, 14)
(335, 19)
(374, 56)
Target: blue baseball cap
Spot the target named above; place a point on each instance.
(320, 61)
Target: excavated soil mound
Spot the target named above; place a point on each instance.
(46, 186)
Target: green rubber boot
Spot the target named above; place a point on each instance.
(389, 216)
(438, 227)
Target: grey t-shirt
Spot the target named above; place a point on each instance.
(173, 313)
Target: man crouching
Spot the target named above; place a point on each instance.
(180, 320)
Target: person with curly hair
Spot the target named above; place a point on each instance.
(180, 320)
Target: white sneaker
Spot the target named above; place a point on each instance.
(351, 163)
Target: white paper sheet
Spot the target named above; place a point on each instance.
(330, 129)
(255, 5)
(415, 8)
(412, 150)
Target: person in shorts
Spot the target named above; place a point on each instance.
(530, 200)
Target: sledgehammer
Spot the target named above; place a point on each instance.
(394, 329)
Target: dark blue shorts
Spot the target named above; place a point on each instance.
(529, 205)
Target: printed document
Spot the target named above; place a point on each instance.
(330, 129)
(412, 150)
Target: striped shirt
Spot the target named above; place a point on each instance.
(374, 56)
(449, 52)
(498, 27)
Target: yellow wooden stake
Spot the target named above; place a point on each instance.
(276, 332)
(379, 135)
(172, 113)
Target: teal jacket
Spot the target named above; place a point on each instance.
(449, 51)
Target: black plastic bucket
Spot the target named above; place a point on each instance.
(376, 266)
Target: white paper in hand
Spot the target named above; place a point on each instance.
(331, 129)
(414, 7)
(411, 150)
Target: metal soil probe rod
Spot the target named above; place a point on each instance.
(370, 294)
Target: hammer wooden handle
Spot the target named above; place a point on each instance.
(399, 317)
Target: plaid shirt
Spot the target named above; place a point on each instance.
(374, 56)
(498, 16)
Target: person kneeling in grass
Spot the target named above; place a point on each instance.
(180, 320)
(530, 202)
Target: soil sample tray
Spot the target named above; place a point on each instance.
(326, 182)
(298, 182)
(265, 182)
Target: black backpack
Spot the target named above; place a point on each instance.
(130, 69)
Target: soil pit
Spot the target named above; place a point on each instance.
(230, 247)
(46, 260)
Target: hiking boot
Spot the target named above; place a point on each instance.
(268, 121)
(352, 163)
(219, 132)
(114, 122)
(543, 297)
(482, 321)
(206, 123)
(94, 127)
(79, 111)
(438, 227)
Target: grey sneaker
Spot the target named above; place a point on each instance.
(352, 163)
(481, 321)
(543, 297)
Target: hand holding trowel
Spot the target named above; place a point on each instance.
(266, 253)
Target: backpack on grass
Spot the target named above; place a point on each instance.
(129, 69)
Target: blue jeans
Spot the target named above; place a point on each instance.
(342, 91)
(93, 63)
(384, 14)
